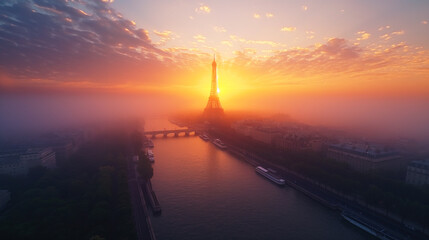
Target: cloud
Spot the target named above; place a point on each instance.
(339, 48)
(385, 37)
(383, 27)
(267, 15)
(81, 41)
(424, 22)
(363, 35)
(310, 34)
(336, 59)
(203, 9)
(219, 29)
(163, 34)
(200, 38)
(389, 36)
(228, 43)
(52, 43)
(398, 32)
(304, 7)
(288, 29)
(257, 42)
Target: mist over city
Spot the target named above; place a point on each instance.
(214, 119)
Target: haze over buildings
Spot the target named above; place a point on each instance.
(357, 65)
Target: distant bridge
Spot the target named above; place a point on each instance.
(175, 132)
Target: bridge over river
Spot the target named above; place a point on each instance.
(174, 132)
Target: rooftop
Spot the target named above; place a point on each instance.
(365, 150)
(420, 164)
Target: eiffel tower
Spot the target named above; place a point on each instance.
(213, 110)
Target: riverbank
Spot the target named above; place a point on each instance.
(151, 196)
(323, 194)
(140, 211)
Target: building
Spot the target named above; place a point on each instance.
(17, 162)
(365, 157)
(63, 150)
(4, 198)
(11, 164)
(290, 143)
(418, 172)
(39, 156)
(265, 135)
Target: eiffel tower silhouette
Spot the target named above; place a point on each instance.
(213, 110)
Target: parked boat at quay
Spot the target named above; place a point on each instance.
(204, 137)
(150, 155)
(219, 144)
(270, 175)
(148, 143)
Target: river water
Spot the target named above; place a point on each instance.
(206, 193)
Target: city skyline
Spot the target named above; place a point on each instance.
(346, 63)
(340, 52)
(214, 119)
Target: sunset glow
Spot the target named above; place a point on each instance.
(214, 119)
(268, 52)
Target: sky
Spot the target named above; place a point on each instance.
(327, 62)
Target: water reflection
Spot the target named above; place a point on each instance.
(206, 193)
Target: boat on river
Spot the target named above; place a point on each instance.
(219, 143)
(270, 175)
(150, 155)
(204, 137)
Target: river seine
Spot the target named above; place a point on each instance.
(206, 193)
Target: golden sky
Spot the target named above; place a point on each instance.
(264, 49)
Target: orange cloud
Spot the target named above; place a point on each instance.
(385, 37)
(363, 35)
(116, 54)
(398, 32)
(228, 43)
(383, 27)
(203, 9)
(219, 29)
(165, 36)
(200, 38)
(258, 42)
(288, 29)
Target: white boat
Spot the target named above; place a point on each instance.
(150, 155)
(219, 143)
(270, 175)
(150, 143)
(204, 137)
